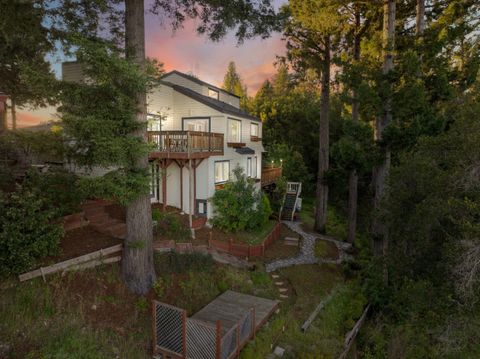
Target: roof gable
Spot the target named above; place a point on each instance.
(211, 102)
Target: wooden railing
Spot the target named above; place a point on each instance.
(186, 141)
(294, 187)
(270, 175)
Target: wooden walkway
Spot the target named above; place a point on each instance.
(230, 307)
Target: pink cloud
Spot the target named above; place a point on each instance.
(187, 51)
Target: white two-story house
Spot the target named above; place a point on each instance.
(200, 135)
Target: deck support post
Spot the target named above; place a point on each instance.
(190, 189)
(181, 164)
(164, 184)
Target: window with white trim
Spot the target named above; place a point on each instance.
(249, 166)
(222, 171)
(234, 131)
(254, 129)
(254, 167)
(194, 124)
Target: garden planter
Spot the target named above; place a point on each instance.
(74, 221)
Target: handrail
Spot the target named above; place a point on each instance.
(186, 141)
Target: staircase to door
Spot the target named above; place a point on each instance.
(291, 200)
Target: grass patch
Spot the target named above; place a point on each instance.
(325, 249)
(279, 250)
(200, 280)
(310, 283)
(81, 315)
(324, 338)
(252, 237)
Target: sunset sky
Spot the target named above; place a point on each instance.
(186, 51)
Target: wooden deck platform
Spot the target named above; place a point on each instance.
(230, 307)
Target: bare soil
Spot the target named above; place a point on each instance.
(81, 241)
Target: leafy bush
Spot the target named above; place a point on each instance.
(240, 206)
(168, 225)
(59, 189)
(27, 231)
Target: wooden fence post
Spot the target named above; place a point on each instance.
(154, 327)
(184, 333)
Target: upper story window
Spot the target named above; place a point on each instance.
(196, 124)
(234, 131)
(222, 171)
(254, 130)
(213, 93)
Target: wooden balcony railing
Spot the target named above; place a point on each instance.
(270, 175)
(186, 142)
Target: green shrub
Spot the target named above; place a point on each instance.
(156, 215)
(240, 206)
(174, 262)
(159, 287)
(59, 189)
(27, 231)
(168, 225)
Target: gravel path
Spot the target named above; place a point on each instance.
(307, 250)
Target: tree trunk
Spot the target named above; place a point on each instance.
(3, 116)
(420, 18)
(137, 263)
(323, 141)
(380, 174)
(353, 176)
(13, 111)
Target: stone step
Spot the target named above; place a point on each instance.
(98, 218)
(275, 276)
(291, 241)
(284, 296)
(282, 290)
(279, 283)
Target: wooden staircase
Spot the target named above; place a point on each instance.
(290, 200)
(96, 213)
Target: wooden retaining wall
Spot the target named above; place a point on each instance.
(244, 250)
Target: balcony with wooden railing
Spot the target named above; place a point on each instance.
(271, 175)
(185, 144)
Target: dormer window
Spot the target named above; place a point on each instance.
(213, 93)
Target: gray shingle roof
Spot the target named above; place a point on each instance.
(245, 151)
(211, 102)
(198, 81)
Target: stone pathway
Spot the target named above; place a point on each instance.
(307, 250)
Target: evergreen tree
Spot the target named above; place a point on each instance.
(232, 83)
(25, 74)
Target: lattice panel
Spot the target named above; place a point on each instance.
(201, 340)
(169, 328)
(229, 343)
